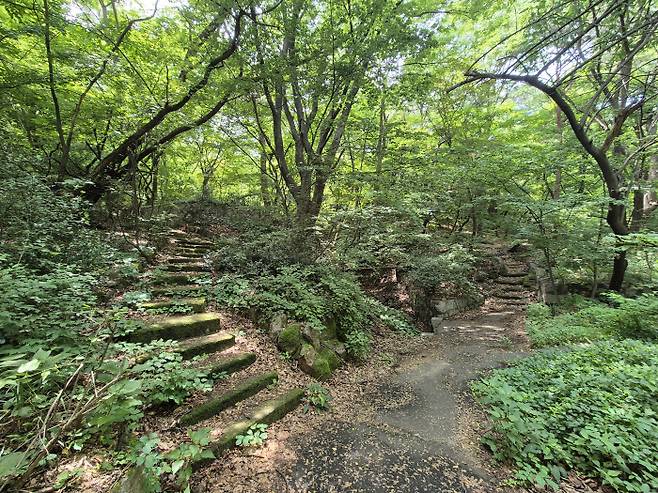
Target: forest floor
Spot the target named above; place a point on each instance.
(404, 422)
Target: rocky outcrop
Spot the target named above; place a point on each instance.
(317, 351)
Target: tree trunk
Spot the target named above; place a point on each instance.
(618, 271)
(205, 187)
(264, 179)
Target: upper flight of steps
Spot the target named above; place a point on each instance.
(511, 289)
(199, 333)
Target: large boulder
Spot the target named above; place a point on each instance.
(314, 363)
(277, 324)
(312, 335)
(336, 346)
(290, 339)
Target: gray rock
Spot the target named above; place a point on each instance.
(311, 335)
(336, 346)
(277, 324)
(437, 324)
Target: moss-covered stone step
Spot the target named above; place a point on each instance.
(185, 259)
(210, 343)
(268, 412)
(513, 281)
(180, 327)
(218, 403)
(510, 296)
(173, 279)
(191, 252)
(194, 241)
(191, 289)
(186, 268)
(193, 246)
(231, 364)
(196, 304)
(520, 303)
(511, 288)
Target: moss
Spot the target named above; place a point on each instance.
(313, 363)
(321, 368)
(290, 339)
(332, 358)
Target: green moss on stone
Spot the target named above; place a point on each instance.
(332, 359)
(321, 368)
(290, 339)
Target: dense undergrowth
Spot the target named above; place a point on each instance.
(587, 401)
(64, 385)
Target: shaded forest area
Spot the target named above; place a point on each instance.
(318, 177)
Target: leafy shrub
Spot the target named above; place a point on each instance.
(623, 318)
(49, 309)
(357, 343)
(42, 230)
(165, 379)
(317, 397)
(592, 408)
(312, 294)
(452, 267)
(177, 462)
(255, 252)
(255, 436)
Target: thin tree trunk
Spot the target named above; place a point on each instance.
(64, 157)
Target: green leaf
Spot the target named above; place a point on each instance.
(176, 465)
(29, 366)
(9, 463)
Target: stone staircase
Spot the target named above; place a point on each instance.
(199, 333)
(512, 289)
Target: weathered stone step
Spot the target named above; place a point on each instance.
(191, 252)
(173, 279)
(179, 327)
(513, 281)
(210, 343)
(176, 290)
(514, 302)
(196, 304)
(515, 274)
(510, 296)
(218, 403)
(268, 412)
(186, 268)
(184, 260)
(230, 364)
(504, 288)
(194, 241)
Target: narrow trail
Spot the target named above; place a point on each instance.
(421, 437)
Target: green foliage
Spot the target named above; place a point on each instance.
(317, 397)
(48, 309)
(312, 294)
(165, 379)
(590, 321)
(452, 267)
(177, 462)
(357, 343)
(591, 408)
(255, 436)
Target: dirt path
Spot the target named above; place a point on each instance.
(420, 437)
